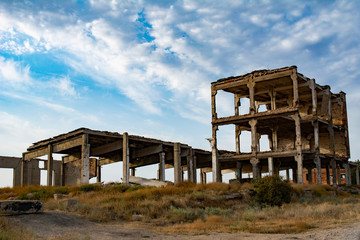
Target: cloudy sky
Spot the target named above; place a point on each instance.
(145, 67)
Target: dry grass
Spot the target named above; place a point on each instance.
(199, 209)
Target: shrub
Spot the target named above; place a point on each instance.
(271, 190)
(90, 187)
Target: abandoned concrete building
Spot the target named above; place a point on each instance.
(305, 124)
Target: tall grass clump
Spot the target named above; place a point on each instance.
(272, 190)
(9, 231)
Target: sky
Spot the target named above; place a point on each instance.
(145, 67)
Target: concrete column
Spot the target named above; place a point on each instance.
(357, 175)
(251, 86)
(272, 94)
(22, 179)
(347, 174)
(126, 158)
(295, 89)
(328, 174)
(239, 171)
(194, 180)
(132, 172)
(177, 164)
(338, 171)
(271, 166)
(287, 174)
(62, 176)
(215, 161)
(255, 166)
(98, 171)
(310, 175)
(254, 141)
(85, 161)
(317, 161)
(237, 139)
(50, 167)
(298, 144)
(274, 138)
(162, 167)
(294, 174)
(333, 167)
(190, 165)
(202, 176)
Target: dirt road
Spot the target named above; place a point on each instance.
(50, 225)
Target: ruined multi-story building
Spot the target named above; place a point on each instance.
(305, 123)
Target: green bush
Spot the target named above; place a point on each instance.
(272, 190)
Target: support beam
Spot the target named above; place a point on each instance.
(255, 167)
(50, 166)
(271, 166)
(287, 174)
(162, 166)
(126, 158)
(98, 171)
(347, 174)
(254, 142)
(203, 176)
(85, 161)
(298, 144)
(339, 174)
(177, 164)
(22, 179)
(107, 148)
(296, 101)
(194, 180)
(239, 171)
(190, 165)
(147, 151)
(251, 86)
(317, 162)
(215, 160)
(333, 167)
(328, 174)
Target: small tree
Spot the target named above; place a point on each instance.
(272, 190)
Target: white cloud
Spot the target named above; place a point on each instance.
(13, 74)
(65, 86)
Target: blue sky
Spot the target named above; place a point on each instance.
(145, 67)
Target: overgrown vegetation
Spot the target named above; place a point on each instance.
(10, 232)
(268, 205)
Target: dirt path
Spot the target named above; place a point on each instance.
(50, 225)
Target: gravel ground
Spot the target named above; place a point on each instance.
(49, 225)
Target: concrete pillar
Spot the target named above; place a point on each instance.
(177, 163)
(328, 174)
(215, 160)
(347, 174)
(50, 167)
(310, 175)
(254, 141)
(251, 86)
(333, 167)
(162, 166)
(126, 158)
(194, 180)
(298, 144)
(132, 171)
(22, 179)
(317, 162)
(357, 175)
(237, 139)
(255, 166)
(287, 174)
(190, 165)
(294, 174)
(85, 161)
(202, 176)
(271, 166)
(62, 176)
(98, 171)
(239, 171)
(338, 176)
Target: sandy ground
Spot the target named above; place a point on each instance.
(49, 225)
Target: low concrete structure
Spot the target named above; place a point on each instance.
(12, 207)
